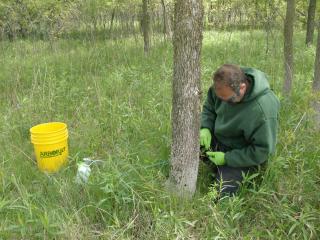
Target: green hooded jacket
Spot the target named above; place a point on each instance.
(248, 128)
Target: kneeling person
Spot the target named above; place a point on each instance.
(239, 123)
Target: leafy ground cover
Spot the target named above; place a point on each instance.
(117, 104)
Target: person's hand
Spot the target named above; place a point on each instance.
(205, 138)
(217, 158)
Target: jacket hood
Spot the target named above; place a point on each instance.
(259, 83)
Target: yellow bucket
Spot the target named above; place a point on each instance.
(50, 141)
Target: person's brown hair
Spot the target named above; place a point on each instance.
(230, 75)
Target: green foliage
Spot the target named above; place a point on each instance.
(28, 17)
(52, 19)
(244, 14)
(117, 105)
(107, 19)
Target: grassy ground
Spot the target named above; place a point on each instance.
(117, 105)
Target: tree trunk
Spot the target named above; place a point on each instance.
(256, 5)
(112, 19)
(288, 46)
(164, 18)
(210, 14)
(166, 26)
(316, 80)
(146, 25)
(316, 84)
(169, 21)
(310, 21)
(187, 43)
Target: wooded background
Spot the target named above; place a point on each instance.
(114, 19)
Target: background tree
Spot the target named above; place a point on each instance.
(310, 22)
(186, 96)
(166, 21)
(288, 46)
(146, 25)
(316, 82)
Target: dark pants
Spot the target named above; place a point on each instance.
(227, 178)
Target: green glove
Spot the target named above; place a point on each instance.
(205, 138)
(217, 158)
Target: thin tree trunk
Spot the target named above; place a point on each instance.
(187, 44)
(256, 5)
(210, 14)
(267, 25)
(146, 25)
(288, 46)
(316, 84)
(310, 21)
(112, 18)
(169, 21)
(316, 80)
(165, 22)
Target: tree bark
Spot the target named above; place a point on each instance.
(166, 23)
(288, 46)
(310, 21)
(187, 44)
(316, 84)
(316, 80)
(112, 18)
(210, 14)
(146, 26)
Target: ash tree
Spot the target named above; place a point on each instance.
(187, 42)
(288, 46)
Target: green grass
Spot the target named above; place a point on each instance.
(117, 104)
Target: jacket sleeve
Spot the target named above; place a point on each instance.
(208, 115)
(262, 142)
